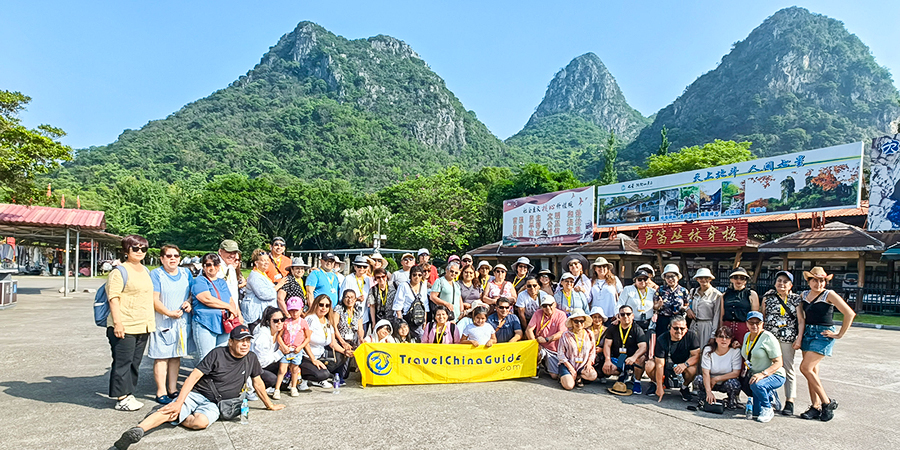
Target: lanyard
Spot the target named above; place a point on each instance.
(516, 280)
(439, 334)
(330, 277)
(275, 260)
(484, 284)
(260, 272)
(784, 302)
(360, 284)
(383, 293)
(350, 312)
(579, 345)
(600, 336)
(544, 324)
(642, 297)
(625, 336)
(568, 300)
(749, 347)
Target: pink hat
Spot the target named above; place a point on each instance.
(294, 303)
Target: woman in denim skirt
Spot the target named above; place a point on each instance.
(817, 335)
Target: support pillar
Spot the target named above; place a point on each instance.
(77, 256)
(66, 269)
(93, 260)
(861, 266)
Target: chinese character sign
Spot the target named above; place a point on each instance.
(564, 217)
(814, 180)
(731, 233)
(884, 187)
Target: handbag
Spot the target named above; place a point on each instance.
(229, 408)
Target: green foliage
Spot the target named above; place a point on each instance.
(25, 153)
(609, 175)
(360, 225)
(713, 154)
(664, 144)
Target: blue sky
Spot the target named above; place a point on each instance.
(96, 68)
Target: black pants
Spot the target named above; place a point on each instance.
(269, 374)
(127, 353)
(309, 371)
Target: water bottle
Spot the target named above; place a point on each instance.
(749, 408)
(245, 411)
(337, 384)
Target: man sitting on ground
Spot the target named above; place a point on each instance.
(223, 371)
(546, 327)
(624, 348)
(675, 360)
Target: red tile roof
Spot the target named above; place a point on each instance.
(43, 216)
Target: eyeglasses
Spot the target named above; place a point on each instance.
(172, 256)
(278, 320)
(503, 307)
(453, 272)
(136, 249)
(209, 265)
(578, 321)
(416, 275)
(670, 276)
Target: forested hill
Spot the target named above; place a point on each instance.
(798, 81)
(317, 106)
(583, 103)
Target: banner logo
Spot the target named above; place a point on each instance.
(379, 362)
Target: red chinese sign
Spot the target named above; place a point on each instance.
(687, 235)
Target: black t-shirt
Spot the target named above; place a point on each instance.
(678, 351)
(635, 337)
(227, 372)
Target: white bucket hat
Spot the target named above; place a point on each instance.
(703, 272)
(672, 268)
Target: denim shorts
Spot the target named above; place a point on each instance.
(292, 358)
(813, 341)
(563, 371)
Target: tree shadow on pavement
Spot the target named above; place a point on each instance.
(81, 391)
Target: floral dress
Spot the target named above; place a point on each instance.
(674, 301)
(781, 319)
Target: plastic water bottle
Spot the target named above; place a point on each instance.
(245, 411)
(749, 408)
(337, 384)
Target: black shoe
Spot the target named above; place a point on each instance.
(686, 394)
(827, 411)
(129, 437)
(811, 414)
(788, 409)
(652, 391)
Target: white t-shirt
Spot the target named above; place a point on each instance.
(320, 336)
(529, 304)
(720, 365)
(604, 296)
(640, 305)
(399, 277)
(352, 283)
(478, 334)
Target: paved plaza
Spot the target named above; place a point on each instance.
(54, 374)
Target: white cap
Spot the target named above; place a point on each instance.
(423, 251)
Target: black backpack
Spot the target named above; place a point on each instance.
(415, 317)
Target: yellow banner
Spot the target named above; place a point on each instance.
(392, 364)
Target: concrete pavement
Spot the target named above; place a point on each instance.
(55, 373)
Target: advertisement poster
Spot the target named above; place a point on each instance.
(814, 180)
(884, 188)
(564, 217)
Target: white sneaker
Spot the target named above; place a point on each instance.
(270, 391)
(276, 395)
(252, 397)
(129, 403)
(294, 392)
(765, 415)
(304, 386)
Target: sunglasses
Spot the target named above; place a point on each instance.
(671, 277)
(136, 249)
(278, 244)
(578, 321)
(409, 258)
(209, 265)
(739, 277)
(416, 275)
(499, 270)
(278, 320)
(531, 285)
(679, 328)
(624, 314)
(546, 306)
(381, 277)
(172, 256)
(503, 307)
(324, 305)
(641, 279)
(467, 260)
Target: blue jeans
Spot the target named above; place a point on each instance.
(763, 391)
(207, 340)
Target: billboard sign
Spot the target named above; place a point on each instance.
(564, 217)
(884, 185)
(814, 180)
(691, 235)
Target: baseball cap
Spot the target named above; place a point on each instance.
(329, 257)
(423, 251)
(548, 300)
(754, 315)
(240, 332)
(229, 246)
(407, 255)
(294, 303)
(789, 275)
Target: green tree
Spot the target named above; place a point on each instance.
(664, 145)
(25, 153)
(361, 224)
(713, 154)
(610, 153)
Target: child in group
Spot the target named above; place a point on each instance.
(291, 342)
(383, 330)
(479, 332)
(402, 334)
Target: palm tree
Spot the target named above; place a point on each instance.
(360, 225)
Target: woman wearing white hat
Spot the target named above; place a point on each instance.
(576, 351)
(671, 298)
(568, 299)
(605, 286)
(293, 285)
(522, 267)
(360, 283)
(704, 303)
(498, 286)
